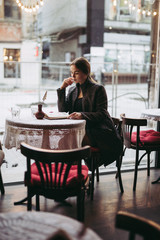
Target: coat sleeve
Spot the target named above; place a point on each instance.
(62, 101)
(98, 104)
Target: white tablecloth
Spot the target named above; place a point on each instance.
(50, 134)
(40, 226)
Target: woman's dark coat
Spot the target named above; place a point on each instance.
(99, 125)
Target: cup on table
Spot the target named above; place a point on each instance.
(34, 109)
(15, 111)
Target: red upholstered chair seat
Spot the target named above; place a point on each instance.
(147, 137)
(72, 179)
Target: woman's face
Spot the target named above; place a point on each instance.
(78, 75)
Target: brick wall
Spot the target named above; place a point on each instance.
(10, 32)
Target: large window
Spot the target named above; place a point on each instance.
(11, 63)
(125, 10)
(130, 58)
(11, 10)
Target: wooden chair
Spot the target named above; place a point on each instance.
(56, 174)
(136, 225)
(1, 161)
(95, 159)
(134, 138)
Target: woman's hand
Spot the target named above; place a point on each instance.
(75, 115)
(67, 82)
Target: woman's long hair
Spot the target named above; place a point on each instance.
(82, 64)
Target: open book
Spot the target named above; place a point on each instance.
(56, 115)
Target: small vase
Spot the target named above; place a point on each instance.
(40, 114)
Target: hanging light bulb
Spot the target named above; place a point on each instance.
(139, 10)
(34, 8)
(133, 7)
(154, 13)
(41, 2)
(143, 11)
(114, 3)
(37, 5)
(30, 5)
(30, 9)
(149, 13)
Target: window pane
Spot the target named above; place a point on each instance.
(7, 11)
(11, 10)
(11, 65)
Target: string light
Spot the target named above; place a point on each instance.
(148, 12)
(154, 13)
(139, 10)
(114, 3)
(30, 6)
(133, 7)
(145, 11)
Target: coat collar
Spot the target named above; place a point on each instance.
(85, 85)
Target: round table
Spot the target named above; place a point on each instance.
(49, 134)
(151, 114)
(41, 225)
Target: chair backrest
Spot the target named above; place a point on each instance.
(60, 161)
(137, 225)
(128, 124)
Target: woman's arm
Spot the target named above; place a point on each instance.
(61, 93)
(62, 103)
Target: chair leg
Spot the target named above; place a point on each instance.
(92, 177)
(80, 206)
(119, 174)
(29, 200)
(1, 180)
(120, 161)
(94, 167)
(92, 183)
(148, 164)
(37, 203)
(136, 171)
(97, 173)
(131, 236)
(1, 184)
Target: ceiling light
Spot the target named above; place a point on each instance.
(30, 5)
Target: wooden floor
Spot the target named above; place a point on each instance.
(100, 213)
